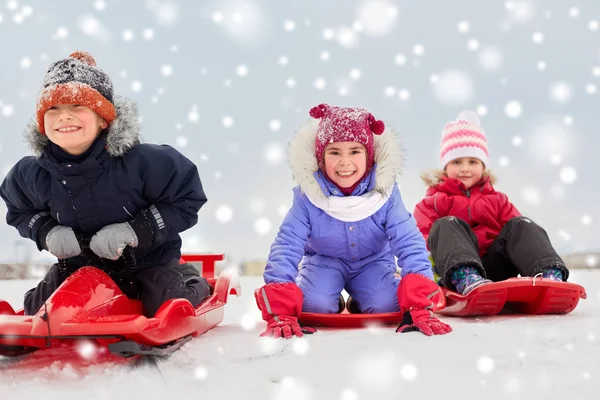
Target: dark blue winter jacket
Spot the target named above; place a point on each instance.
(154, 188)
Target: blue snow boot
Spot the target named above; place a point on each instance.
(466, 278)
(553, 273)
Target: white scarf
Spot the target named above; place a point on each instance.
(351, 208)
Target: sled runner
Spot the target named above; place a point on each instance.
(516, 295)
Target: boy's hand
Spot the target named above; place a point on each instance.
(62, 242)
(110, 241)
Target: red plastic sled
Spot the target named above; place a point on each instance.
(347, 320)
(516, 295)
(88, 306)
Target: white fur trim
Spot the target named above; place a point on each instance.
(303, 161)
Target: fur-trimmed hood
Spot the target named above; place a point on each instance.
(389, 157)
(434, 177)
(122, 134)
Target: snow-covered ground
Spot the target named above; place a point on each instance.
(553, 357)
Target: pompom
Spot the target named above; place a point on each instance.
(470, 117)
(84, 57)
(377, 127)
(318, 111)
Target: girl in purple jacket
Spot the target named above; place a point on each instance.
(346, 224)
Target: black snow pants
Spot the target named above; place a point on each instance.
(522, 247)
(152, 285)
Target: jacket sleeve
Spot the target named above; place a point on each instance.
(173, 188)
(25, 211)
(426, 214)
(288, 248)
(405, 239)
(507, 210)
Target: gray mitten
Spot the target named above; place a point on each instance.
(110, 241)
(62, 242)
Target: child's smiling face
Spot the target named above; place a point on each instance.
(466, 169)
(73, 127)
(345, 162)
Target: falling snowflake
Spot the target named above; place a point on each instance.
(355, 73)
(463, 26)
(485, 364)
(283, 210)
(376, 17)
(346, 37)
(586, 219)
(300, 346)
(201, 373)
(248, 322)
(409, 372)
(473, 44)
(325, 55)
(242, 70)
(136, 86)
(87, 349)
(227, 121)
(262, 226)
(283, 60)
(349, 394)
(289, 25)
(274, 125)
(531, 195)
(564, 235)
(560, 92)
(537, 37)
(7, 110)
(568, 174)
(513, 109)
(541, 65)
(274, 153)
(418, 49)
(224, 214)
(376, 370)
(389, 91)
(591, 88)
(181, 141)
(291, 389)
(404, 94)
(148, 34)
(166, 70)
(453, 88)
(490, 58)
(400, 59)
(520, 11)
(193, 114)
(593, 25)
(25, 62)
(100, 5)
(320, 84)
(128, 35)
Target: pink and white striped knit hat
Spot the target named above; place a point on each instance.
(463, 138)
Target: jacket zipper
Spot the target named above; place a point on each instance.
(468, 193)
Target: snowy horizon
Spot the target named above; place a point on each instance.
(228, 82)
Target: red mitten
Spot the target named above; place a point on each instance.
(418, 296)
(281, 304)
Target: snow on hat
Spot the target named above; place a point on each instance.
(463, 138)
(344, 124)
(76, 80)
